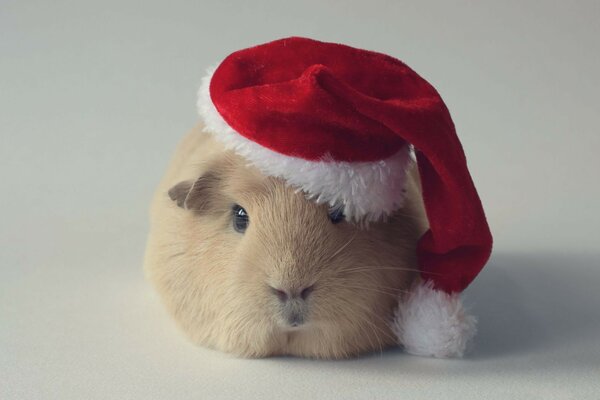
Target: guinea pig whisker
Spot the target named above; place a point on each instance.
(390, 288)
(341, 248)
(378, 268)
(373, 314)
(379, 317)
(375, 268)
(172, 256)
(377, 290)
(374, 328)
(364, 323)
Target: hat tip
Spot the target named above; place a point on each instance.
(432, 323)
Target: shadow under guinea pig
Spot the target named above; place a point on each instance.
(543, 308)
(527, 303)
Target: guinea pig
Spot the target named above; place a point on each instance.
(247, 264)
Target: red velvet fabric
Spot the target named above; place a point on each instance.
(311, 99)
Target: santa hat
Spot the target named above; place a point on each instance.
(340, 124)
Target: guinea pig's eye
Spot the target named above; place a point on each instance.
(336, 214)
(240, 218)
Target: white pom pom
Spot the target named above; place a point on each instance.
(429, 322)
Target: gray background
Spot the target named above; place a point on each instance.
(94, 97)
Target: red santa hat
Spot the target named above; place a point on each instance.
(341, 124)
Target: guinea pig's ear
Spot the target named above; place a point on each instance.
(195, 196)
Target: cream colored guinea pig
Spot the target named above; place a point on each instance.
(248, 265)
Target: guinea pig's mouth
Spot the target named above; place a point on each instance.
(293, 320)
(292, 329)
(293, 317)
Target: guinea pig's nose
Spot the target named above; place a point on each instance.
(285, 295)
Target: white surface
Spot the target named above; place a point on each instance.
(93, 98)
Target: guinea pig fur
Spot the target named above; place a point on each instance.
(293, 283)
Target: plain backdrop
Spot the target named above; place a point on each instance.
(94, 97)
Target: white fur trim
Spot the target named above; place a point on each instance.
(429, 322)
(367, 190)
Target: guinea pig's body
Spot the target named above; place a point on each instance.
(293, 282)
